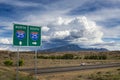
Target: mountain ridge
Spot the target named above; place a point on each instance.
(71, 47)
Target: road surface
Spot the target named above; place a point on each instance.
(69, 68)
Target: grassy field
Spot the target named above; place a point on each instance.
(28, 58)
(99, 74)
(7, 73)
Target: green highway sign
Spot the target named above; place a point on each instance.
(25, 35)
(34, 36)
(20, 35)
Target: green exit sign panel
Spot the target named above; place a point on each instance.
(24, 35)
(34, 36)
(20, 35)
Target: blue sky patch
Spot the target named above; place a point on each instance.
(113, 22)
(42, 1)
(92, 6)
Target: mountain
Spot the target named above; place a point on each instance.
(71, 47)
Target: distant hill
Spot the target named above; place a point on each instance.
(71, 47)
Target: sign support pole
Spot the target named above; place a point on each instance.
(35, 64)
(17, 76)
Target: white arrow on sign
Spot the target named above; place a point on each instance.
(34, 43)
(20, 42)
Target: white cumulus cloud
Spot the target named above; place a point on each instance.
(5, 41)
(77, 30)
(60, 34)
(45, 28)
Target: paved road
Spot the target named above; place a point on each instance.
(69, 68)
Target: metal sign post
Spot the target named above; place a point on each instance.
(18, 57)
(17, 75)
(35, 64)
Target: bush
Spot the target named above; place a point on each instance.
(21, 62)
(67, 56)
(76, 57)
(8, 62)
(43, 57)
(27, 78)
(52, 57)
(96, 57)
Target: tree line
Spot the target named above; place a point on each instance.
(71, 56)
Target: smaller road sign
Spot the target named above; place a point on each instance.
(20, 35)
(34, 36)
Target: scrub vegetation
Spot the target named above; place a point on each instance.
(58, 59)
(7, 73)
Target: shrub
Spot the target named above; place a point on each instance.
(96, 57)
(21, 62)
(58, 57)
(67, 56)
(42, 57)
(52, 57)
(118, 69)
(76, 57)
(8, 62)
(27, 78)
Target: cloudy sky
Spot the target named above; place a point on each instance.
(87, 23)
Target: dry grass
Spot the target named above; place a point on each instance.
(29, 59)
(81, 75)
(7, 73)
(42, 63)
(74, 75)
